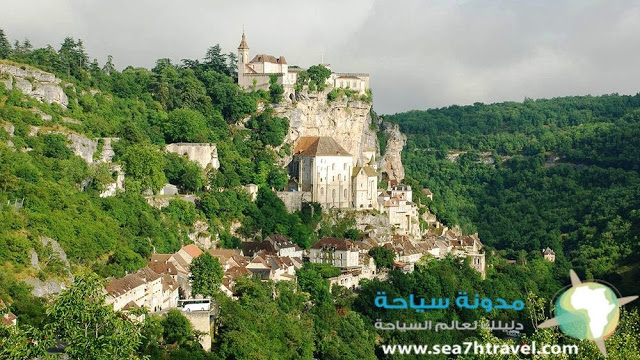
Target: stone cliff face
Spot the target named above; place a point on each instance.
(347, 121)
(41, 85)
(391, 161)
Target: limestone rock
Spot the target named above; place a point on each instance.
(57, 249)
(107, 149)
(347, 121)
(200, 235)
(46, 288)
(9, 128)
(42, 114)
(375, 225)
(36, 83)
(83, 147)
(391, 162)
(33, 257)
(204, 154)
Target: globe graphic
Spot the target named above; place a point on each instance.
(588, 311)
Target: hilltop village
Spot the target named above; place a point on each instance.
(334, 161)
(320, 171)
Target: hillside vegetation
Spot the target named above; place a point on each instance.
(195, 101)
(562, 173)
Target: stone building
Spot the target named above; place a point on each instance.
(255, 73)
(144, 288)
(549, 254)
(365, 186)
(324, 170)
(322, 167)
(396, 202)
(338, 252)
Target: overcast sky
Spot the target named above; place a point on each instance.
(420, 54)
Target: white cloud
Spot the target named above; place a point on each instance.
(420, 54)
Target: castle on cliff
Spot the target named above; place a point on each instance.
(255, 73)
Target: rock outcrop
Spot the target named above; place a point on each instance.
(204, 154)
(391, 161)
(9, 128)
(36, 83)
(347, 121)
(83, 146)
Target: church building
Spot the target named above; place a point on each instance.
(255, 74)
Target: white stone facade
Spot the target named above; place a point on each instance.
(255, 73)
(340, 253)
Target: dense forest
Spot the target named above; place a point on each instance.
(198, 101)
(562, 173)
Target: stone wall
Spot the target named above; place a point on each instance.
(293, 199)
(200, 320)
(36, 83)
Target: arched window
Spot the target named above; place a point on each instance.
(321, 191)
(339, 177)
(345, 193)
(333, 166)
(344, 167)
(333, 193)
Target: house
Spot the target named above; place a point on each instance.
(283, 246)
(226, 257)
(402, 213)
(142, 289)
(428, 193)
(177, 266)
(338, 252)
(549, 254)
(365, 185)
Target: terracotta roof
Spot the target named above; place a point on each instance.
(192, 250)
(168, 284)
(223, 255)
(160, 258)
(252, 247)
(236, 272)
(130, 306)
(319, 146)
(268, 58)
(348, 77)
(117, 287)
(337, 243)
(243, 43)
(548, 251)
(279, 241)
(163, 268)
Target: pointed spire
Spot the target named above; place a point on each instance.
(243, 43)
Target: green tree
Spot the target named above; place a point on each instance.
(176, 327)
(146, 164)
(383, 257)
(275, 90)
(91, 329)
(206, 275)
(5, 46)
(186, 125)
(318, 75)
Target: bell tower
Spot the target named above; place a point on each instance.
(243, 59)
